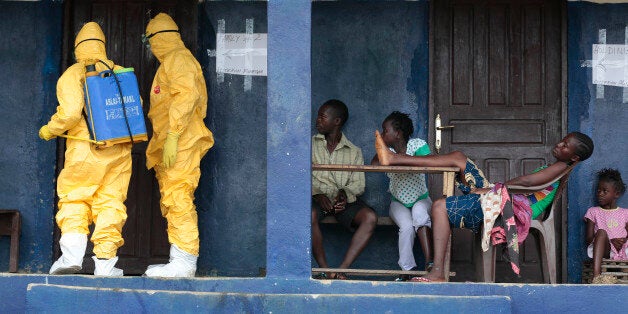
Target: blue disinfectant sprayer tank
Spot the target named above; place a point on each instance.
(114, 109)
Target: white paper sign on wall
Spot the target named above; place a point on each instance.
(610, 65)
(241, 54)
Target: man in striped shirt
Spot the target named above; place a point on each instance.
(335, 192)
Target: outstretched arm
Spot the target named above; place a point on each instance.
(542, 177)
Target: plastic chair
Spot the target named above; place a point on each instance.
(544, 225)
(10, 224)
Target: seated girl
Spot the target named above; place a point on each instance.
(411, 203)
(607, 224)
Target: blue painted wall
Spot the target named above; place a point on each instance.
(288, 111)
(374, 57)
(231, 196)
(261, 154)
(288, 153)
(30, 56)
(603, 119)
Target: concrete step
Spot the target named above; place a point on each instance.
(73, 299)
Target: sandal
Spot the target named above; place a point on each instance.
(402, 278)
(320, 276)
(339, 276)
(604, 280)
(420, 279)
(429, 266)
(424, 280)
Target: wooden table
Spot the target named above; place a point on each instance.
(449, 176)
(449, 173)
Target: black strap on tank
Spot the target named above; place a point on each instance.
(126, 120)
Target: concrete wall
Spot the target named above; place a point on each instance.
(602, 116)
(30, 56)
(231, 197)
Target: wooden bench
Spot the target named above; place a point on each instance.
(617, 269)
(10, 224)
(449, 175)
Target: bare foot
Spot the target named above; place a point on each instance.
(435, 275)
(383, 153)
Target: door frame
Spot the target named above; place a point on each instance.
(562, 217)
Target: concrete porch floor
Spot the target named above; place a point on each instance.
(35, 293)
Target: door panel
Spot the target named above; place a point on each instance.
(123, 23)
(496, 77)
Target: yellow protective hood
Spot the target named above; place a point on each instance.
(89, 44)
(164, 42)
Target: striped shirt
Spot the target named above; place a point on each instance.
(330, 182)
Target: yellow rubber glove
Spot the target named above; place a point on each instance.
(45, 134)
(170, 149)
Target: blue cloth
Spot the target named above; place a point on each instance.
(465, 211)
(474, 176)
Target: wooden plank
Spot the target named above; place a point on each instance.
(448, 183)
(615, 273)
(373, 272)
(447, 260)
(381, 221)
(624, 266)
(449, 173)
(372, 168)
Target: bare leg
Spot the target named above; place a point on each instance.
(366, 219)
(441, 231)
(425, 239)
(387, 158)
(317, 241)
(601, 248)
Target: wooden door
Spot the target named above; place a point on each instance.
(123, 23)
(497, 78)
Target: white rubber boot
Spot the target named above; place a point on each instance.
(73, 247)
(182, 264)
(105, 267)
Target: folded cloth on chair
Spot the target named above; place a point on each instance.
(492, 204)
(516, 220)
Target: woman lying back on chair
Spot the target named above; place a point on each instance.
(465, 211)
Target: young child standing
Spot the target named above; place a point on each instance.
(607, 224)
(410, 204)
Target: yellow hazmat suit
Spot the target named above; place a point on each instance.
(92, 186)
(178, 104)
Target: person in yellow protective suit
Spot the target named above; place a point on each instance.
(178, 104)
(92, 186)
